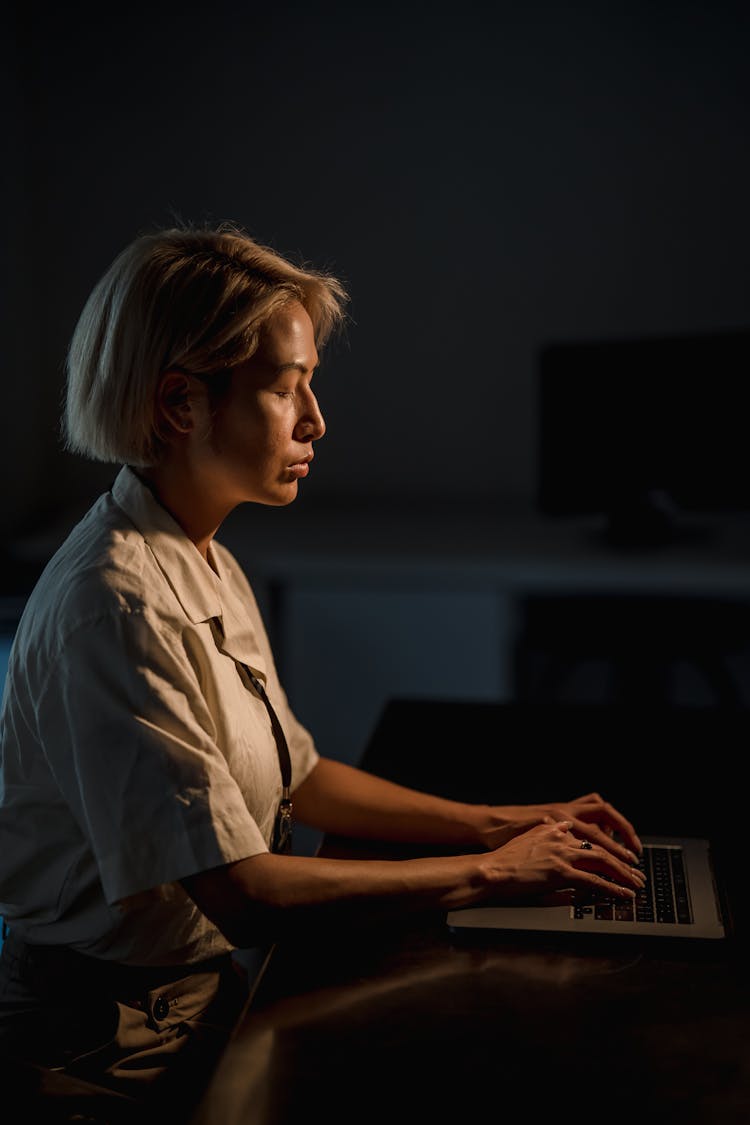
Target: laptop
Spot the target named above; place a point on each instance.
(642, 758)
(681, 899)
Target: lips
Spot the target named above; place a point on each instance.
(302, 467)
(302, 461)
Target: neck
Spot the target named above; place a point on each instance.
(189, 504)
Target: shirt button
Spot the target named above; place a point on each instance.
(161, 1008)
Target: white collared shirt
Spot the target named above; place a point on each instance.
(133, 754)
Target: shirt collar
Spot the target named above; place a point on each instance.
(202, 593)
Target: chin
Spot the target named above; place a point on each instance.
(278, 498)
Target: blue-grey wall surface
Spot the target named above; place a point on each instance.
(484, 178)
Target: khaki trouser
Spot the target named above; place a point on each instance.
(122, 1032)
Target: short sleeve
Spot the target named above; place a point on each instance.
(132, 746)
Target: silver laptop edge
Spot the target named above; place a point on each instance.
(704, 902)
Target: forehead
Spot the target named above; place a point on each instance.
(289, 338)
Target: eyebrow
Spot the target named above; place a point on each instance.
(295, 365)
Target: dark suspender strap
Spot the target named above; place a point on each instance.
(282, 748)
(282, 829)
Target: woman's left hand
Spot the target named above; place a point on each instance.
(591, 818)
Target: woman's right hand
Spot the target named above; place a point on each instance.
(548, 857)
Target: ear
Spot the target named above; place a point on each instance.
(174, 404)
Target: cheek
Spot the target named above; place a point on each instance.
(277, 432)
(266, 448)
(256, 434)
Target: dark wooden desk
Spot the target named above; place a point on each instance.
(403, 1023)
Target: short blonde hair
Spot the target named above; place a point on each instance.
(190, 298)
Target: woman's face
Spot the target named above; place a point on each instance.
(260, 442)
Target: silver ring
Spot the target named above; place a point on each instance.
(586, 845)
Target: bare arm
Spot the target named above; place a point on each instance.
(347, 801)
(268, 894)
(257, 899)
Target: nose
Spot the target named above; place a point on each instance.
(311, 424)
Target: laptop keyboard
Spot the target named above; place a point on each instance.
(664, 897)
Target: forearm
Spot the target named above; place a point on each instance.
(346, 801)
(266, 896)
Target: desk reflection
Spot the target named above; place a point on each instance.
(405, 1021)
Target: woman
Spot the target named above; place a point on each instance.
(150, 757)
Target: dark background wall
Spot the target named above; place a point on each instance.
(484, 179)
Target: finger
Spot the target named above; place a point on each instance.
(599, 890)
(625, 829)
(600, 836)
(601, 861)
(562, 828)
(588, 799)
(607, 815)
(526, 825)
(589, 881)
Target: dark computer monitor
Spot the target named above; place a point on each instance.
(645, 429)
